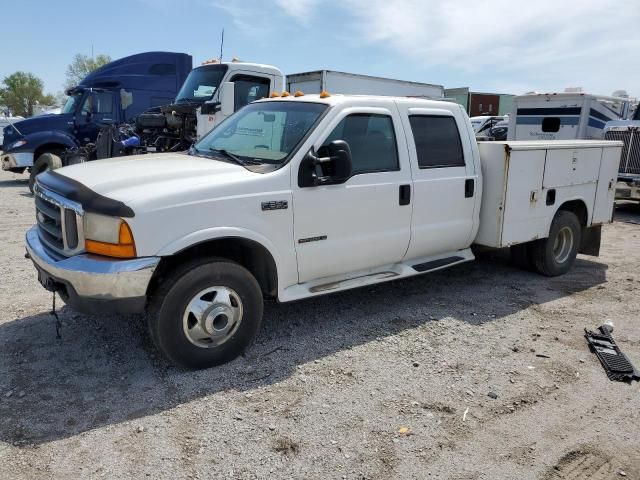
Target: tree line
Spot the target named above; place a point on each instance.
(21, 92)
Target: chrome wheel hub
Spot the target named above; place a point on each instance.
(212, 317)
(563, 245)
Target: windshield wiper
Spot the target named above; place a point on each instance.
(233, 157)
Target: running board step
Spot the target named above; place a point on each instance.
(432, 265)
(353, 282)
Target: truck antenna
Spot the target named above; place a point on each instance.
(221, 45)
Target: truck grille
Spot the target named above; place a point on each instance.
(630, 160)
(59, 222)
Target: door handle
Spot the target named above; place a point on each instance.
(405, 194)
(469, 187)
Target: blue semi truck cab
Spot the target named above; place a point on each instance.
(112, 94)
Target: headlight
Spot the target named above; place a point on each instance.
(17, 144)
(109, 236)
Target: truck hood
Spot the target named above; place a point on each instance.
(156, 179)
(43, 122)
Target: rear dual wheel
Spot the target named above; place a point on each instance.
(556, 254)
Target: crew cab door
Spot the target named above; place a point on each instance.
(364, 222)
(98, 109)
(445, 182)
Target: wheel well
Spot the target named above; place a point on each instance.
(248, 253)
(579, 208)
(55, 148)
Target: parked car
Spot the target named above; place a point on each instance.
(295, 197)
(500, 130)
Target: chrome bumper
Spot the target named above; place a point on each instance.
(91, 277)
(16, 160)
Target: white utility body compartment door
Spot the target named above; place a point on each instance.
(525, 183)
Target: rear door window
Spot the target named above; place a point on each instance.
(437, 141)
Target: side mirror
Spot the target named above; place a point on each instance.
(332, 169)
(227, 98)
(209, 108)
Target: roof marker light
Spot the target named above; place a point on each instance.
(324, 94)
(274, 95)
(285, 94)
(298, 94)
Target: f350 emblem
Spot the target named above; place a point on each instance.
(275, 205)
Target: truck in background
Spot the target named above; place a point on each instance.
(112, 94)
(216, 89)
(355, 84)
(136, 123)
(628, 132)
(563, 116)
(210, 93)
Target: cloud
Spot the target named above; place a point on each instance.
(542, 43)
(550, 41)
(301, 10)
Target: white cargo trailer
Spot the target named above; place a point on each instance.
(354, 84)
(563, 116)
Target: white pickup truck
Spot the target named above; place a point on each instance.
(297, 196)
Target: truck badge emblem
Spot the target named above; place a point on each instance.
(275, 205)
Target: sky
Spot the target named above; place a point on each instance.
(504, 46)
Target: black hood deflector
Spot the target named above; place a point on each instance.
(91, 201)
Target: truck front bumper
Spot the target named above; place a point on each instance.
(15, 161)
(90, 283)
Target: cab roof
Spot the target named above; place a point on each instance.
(363, 100)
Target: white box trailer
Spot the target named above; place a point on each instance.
(563, 116)
(524, 182)
(354, 84)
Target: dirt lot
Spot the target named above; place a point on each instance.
(393, 381)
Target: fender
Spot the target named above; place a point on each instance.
(572, 199)
(287, 269)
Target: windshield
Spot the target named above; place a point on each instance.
(72, 102)
(265, 132)
(201, 84)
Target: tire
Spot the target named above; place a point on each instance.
(556, 254)
(205, 313)
(46, 161)
(521, 256)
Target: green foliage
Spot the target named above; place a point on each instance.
(81, 66)
(21, 91)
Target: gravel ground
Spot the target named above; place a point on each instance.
(477, 372)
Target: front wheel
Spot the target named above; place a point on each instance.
(206, 313)
(556, 254)
(44, 163)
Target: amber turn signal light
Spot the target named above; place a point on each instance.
(125, 248)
